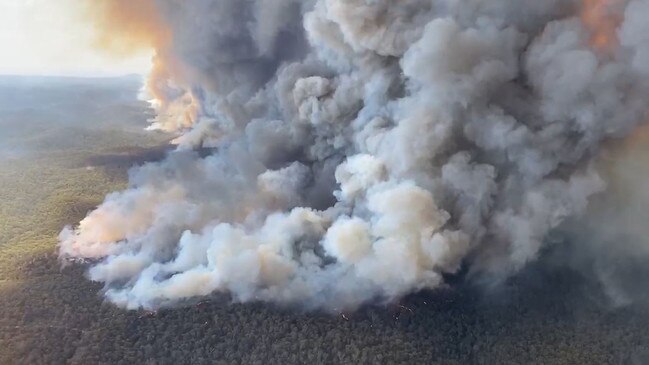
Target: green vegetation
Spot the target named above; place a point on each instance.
(60, 156)
(50, 315)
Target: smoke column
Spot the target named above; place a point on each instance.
(360, 150)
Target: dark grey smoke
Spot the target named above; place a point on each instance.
(364, 149)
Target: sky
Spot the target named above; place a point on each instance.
(49, 37)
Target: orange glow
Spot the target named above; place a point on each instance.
(633, 147)
(126, 26)
(45, 37)
(601, 20)
(639, 138)
(157, 79)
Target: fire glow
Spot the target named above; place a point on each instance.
(602, 21)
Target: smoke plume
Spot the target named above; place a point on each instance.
(362, 150)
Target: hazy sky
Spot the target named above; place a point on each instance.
(47, 37)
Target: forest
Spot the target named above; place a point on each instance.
(57, 166)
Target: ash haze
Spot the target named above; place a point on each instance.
(51, 37)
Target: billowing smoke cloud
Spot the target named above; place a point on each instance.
(363, 150)
(611, 243)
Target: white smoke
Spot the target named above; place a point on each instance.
(363, 149)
